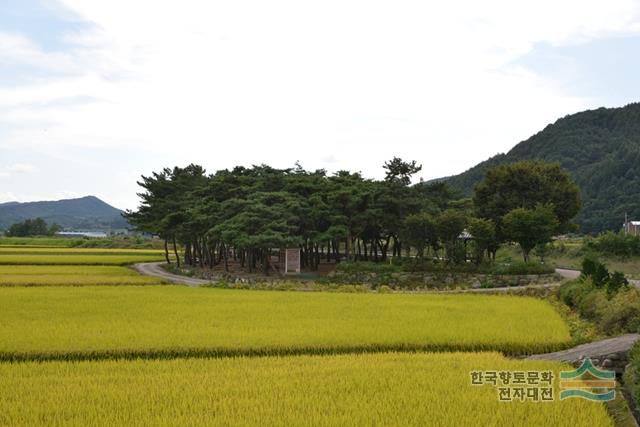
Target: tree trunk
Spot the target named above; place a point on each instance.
(317, 258)
(223, 249)
(384, 249)
(175, 251)
(187, 254)
(166, 251)
(265, 261)
(375, 245)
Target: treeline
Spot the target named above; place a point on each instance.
(614, 244)
(32, 227)
(243, 214)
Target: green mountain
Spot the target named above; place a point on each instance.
(86, 213)
(601, 150)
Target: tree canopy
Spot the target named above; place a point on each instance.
(244, 213)
(525, 185)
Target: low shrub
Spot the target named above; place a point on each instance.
(599, 275)
(511, 268)
(571, 292)
(616, 282)
(614, 309)
(593, 305)
(367, 267)
(522, 268)
(622, 313)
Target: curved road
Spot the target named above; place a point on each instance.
(155, 269)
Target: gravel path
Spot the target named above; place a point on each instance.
(594, 350)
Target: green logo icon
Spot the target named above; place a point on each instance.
(588, 382)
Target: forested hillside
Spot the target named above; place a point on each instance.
(86, 213)
(601, 150)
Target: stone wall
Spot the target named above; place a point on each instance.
(443, 279)
(616, 361)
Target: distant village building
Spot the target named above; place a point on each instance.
(631, 227)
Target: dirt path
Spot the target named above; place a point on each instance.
(155, 269)
(568, 274)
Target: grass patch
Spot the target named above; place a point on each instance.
(582, 330)
(161, 321)
(40, 241)
(358, 390)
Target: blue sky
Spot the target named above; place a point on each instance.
(605, 69)
(95, 93)
(46, 23)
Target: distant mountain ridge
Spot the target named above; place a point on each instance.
(601, 150)
(85, 213)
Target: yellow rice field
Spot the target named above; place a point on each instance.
(384, 389)
(76, 256)
(30, 250)
(76, 259)
(75, 351)
(72, 275)
(166, 321)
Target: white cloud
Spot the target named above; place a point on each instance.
(17, 168)
(17, 50)
(326, 83)
(7, 196)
